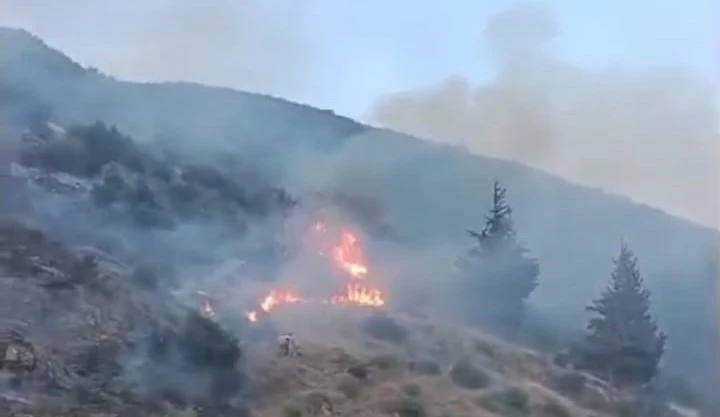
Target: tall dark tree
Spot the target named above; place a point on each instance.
(498, 273)
(624, 343)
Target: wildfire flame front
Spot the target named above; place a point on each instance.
(348, 257)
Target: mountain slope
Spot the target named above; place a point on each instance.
(428, 193)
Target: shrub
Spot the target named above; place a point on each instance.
(358, 371)
(467, 375)
(412, 389)
(512, 402)
(384, 328)
(207, 346)
(411, 407)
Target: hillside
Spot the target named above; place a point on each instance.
(427, 194)
(100, 344)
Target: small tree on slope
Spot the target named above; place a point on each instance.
(498, 275)
(624, 344)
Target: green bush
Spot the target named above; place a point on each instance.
(467, 375)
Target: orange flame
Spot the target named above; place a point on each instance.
(349, 256)
(274, 299)
(360, 295)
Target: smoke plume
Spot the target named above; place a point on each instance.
(645, 133)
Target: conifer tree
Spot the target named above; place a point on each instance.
(624, 343)
(498, 274)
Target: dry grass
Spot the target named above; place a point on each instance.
(356, 375)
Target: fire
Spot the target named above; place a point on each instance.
(273, 300)
(348, 257)
(360, 295)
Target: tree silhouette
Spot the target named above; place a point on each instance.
(498, 275)
(624, 343)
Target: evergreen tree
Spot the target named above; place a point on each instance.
(624, 343)
(498, 274)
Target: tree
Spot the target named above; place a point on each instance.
(624, 344)
(498, 273)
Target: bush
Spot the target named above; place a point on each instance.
(412, 389)
(513, 402)
(384, 328)
(207, 346)
(358, 371)
(411, 407)
(466, 375)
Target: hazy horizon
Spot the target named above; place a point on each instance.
(646, 128)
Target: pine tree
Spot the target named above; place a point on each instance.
(498, 274)
(624, 343)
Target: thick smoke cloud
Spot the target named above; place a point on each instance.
(646, 133)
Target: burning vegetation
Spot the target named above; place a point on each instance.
(348, 258)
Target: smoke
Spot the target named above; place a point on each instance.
(645, 133)
(250, 45)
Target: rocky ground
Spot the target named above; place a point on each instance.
(76, 332)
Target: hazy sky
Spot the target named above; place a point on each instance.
(353, 51)
(347, 54)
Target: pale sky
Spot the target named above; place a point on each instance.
(358, 50)
(346, 54)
